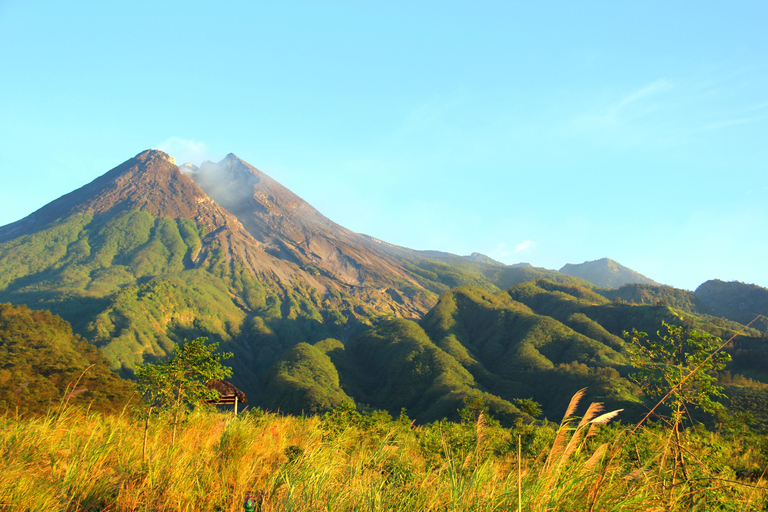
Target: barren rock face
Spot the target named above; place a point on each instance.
(293, 230)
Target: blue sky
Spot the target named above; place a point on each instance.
(545, 132)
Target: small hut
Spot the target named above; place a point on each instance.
(228, 393)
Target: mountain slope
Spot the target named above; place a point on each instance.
(149, 182)
(142, 257)
(737, 301)
(41, 360)
(292, 230)
(605, 273)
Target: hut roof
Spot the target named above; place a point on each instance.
(227, 388)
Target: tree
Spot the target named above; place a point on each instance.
(179, 382)
(529, 406)
(680, 364)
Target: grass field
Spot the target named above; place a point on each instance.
(74, 460)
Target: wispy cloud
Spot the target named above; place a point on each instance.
(639, 95)
(184, 150)
(730, 122)
(633, 105)
(524, 246)
(740, 117)
(502, 252)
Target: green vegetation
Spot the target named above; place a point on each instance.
(135, 285)
(681, 363)
(727, 305)
(494, 362)
(179, 382)
(530, 342)
(303, 380)
(679, 367)
(439, 272)
(514, 352)
(655, 295)
(740, 302)
(42, 364)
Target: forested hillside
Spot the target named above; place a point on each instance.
(41, 362)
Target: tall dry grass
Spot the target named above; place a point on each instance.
(79, 461)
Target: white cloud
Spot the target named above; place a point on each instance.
(184, 150)
(500, 252)
(640, 94)
(524, 246)
(633, 105)
(730, 122)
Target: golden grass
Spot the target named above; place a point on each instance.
(78, 461)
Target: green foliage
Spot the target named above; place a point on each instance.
(303, 380)
(746, 405)
(529, 406)
(179, 382)
(681, 362)
(513, 351)
(41, 360)
(726, 305)
(736, 301)
(438, 277)
(135, 285)
(653, 295)
(400, 367)
(438, 272)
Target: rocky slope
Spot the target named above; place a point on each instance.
(326, 253)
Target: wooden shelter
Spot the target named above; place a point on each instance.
(228, 393)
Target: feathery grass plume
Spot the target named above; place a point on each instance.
(562, 437)
(574, 443)
(593, 410)
(480, 435)
(574, 403)
(593, 460)
(605, 418)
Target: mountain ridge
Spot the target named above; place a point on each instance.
(605, 273)
(137, 183)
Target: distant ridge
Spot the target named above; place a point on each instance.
(605, 273)
(482, 258)
(740, 302)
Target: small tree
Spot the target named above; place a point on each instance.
(179, 382)
(683, 364)
(666, 364)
